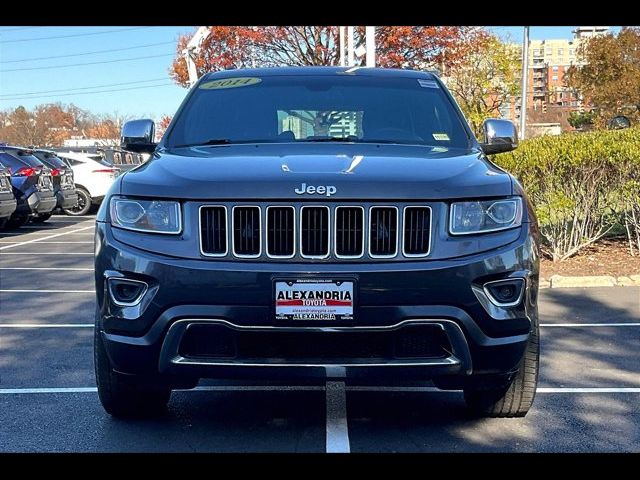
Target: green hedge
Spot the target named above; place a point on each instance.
(582, 186)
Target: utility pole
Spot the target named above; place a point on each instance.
(341, 46)
(370, 39)
(525, 78)
(350, 49)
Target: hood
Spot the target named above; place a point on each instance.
(315, 172)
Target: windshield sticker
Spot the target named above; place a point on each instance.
(229, 83)
(428, 83)
(441, 136)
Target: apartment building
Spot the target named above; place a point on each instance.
(548, 98)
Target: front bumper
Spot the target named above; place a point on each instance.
(66, 198)
(484, 339)
(7, 204)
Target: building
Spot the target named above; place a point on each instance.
(547, 93)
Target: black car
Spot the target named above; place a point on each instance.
(32, 184)
(63, 187)
(7, 198)
(313, 224)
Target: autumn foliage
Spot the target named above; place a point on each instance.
(610, 76)
(230, 47)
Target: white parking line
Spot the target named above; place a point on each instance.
(45, 238)
(621, 324)
(70, 269)
(5, 241)
(48, 291)
(46, 325)
(278, 388)
(38, 233)
(337, 427)
(42, 253)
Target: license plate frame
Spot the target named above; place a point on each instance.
(340, 307)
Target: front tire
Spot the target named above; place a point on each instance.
(516, 398)
(126, 396)
(83, 206)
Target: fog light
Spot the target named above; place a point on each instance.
(125, 292)
(505, 293)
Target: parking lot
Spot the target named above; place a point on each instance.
(588, 400)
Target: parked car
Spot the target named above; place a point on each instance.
(63, 185)
(122, 159)
(318, 223)
(92, 177)
(7, 198)
(32, 184)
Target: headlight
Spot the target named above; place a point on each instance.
(485, 216)
(153, 216)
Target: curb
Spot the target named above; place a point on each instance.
(559, 281)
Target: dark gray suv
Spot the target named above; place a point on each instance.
(316, 223)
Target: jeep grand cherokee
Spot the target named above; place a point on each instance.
(316, 223)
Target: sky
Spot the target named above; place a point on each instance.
(36, 60)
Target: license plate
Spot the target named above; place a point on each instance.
(314, 300)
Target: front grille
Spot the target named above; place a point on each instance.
(300, 232)
(417, 226)
(383, 236)
(349, 231)
(314, 234)
(280, 231)
(220, 342)
(213, 230)
(246, 231)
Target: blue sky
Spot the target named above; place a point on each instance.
(137, 87)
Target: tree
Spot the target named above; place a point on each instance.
(484, 79)
(609, 78)
(47, 125)
(161, 126)
(106, 129)
(401, 47)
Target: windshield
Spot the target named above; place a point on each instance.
(318, 108)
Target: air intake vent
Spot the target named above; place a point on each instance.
(213, 231)
(314, 232)
(246, 231)
(383, 239)
(417, 226)
(280, 228)
(349, 231)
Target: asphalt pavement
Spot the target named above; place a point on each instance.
(588, 398)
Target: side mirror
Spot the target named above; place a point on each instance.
(138, 135)
(499, 136)
(619, 122)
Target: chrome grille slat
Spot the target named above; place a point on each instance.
(383, 231)
(349, 231)
(280, 232)
(417, 231)
(247, 231)
(314, 231)
(213, 230)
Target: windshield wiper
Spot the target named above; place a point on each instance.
(330, 139)
(213, 141)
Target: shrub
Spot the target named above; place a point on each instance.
(581, 184)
